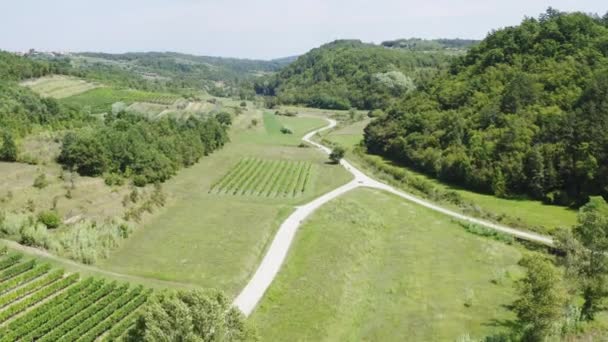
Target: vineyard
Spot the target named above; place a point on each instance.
(265, 178)
(100, 100)
(38, 303)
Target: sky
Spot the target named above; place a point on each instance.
(260, 29)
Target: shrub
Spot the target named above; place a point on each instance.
(113, 179)
(12, 223)
(337, 154)
(35, 235)
(8, 150)
(243, 104)
(49, 218)
(375, 113)
(254, 122)
(286, 130)
(41, 182)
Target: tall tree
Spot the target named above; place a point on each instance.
(8, 151)
(586, 255)
(541, 298)
(190, 316)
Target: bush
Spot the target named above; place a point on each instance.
(375, 113)
(254, 122)
(286, 130)
(243, 104)
(41, 182)
(12, 223)
(35, 235)
(113, 179)
(337, 154)
(49, 218)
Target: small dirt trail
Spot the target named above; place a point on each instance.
(253, 292)
(78, 266)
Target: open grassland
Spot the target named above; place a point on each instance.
(371, 267)
(265, 178)
(217, 241)
(100, 100)
(38, 302)
(59, 86)
(521, 212)
(72, 196)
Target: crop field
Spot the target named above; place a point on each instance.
(265, 178)
(100, 100)
(372, 267)
(58, 86)
(40, 303)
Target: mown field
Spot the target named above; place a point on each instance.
(524, 212)
(372, 267)
(212, 240)
(42, 303)
(59, 86)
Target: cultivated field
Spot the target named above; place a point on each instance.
(59, 87)
(265, 178)
(372, 267)
(40, 303)
(100, 100)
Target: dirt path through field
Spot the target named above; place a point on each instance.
(253, 292)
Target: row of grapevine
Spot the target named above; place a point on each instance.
(265, 178)
(116, 317)
(30, 287)
(49, 319)
(40, 304)
(24, 278)
(79, 333)
(16, 269)
(36, 297)
(9, 260)
(31, 315)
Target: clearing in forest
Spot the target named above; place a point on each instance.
(59, 86)
(265, 178)
(39, 303)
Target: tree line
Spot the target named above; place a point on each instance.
(147, 151)
(525, 112)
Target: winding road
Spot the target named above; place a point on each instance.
(253, 292)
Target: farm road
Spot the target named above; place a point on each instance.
(253, 292)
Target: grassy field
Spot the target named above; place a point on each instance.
(371, 267)
(527, 212)
(59, 86)
(217, 241)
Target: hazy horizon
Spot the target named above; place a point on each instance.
(266, 29)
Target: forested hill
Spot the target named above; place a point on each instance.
(349, 73)
(524, 112)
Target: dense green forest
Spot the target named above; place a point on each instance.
(133, 146)
(349, 73)
(523, 112)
